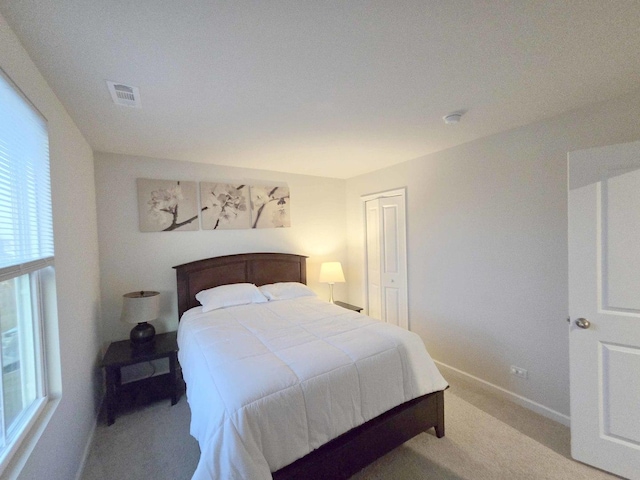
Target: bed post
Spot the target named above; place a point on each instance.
(440, 415)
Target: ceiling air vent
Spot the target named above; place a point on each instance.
(124, 94)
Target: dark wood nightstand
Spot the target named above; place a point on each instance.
(348, 306)
(120, 354)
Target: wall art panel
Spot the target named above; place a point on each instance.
(270, 207)
(167, 205)
(224, 206)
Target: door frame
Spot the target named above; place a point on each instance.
(396, 192)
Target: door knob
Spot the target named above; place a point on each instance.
(583, 323)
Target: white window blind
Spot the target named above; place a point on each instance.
(26, 228)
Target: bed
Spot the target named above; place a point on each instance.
(328, 455)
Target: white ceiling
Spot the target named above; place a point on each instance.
(330, 88)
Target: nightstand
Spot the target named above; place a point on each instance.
(121, 354)
(348, 306)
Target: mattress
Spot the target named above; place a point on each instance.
(268, 383)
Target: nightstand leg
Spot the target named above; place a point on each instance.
(174, 382)
(112, 392)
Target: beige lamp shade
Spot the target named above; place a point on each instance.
(331, 272)
(139, 307)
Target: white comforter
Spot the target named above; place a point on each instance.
(268, 383)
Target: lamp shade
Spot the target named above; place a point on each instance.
(331, 272)
(140, 307)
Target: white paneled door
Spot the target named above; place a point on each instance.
(604, 307)
(385, 219)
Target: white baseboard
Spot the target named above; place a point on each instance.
(506, 394)
(87, 448)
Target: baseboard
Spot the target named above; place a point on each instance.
(506, 394)
(87, 448)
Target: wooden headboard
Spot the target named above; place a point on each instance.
(258, 268)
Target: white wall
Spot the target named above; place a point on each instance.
(131, 260)
(59, 450)
(487, 246)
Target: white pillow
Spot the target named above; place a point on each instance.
(286, 290)
(229, 295)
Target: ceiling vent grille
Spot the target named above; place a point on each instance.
(124, 94)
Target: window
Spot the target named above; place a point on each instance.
(26, 256)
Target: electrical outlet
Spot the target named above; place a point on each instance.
(519, 372)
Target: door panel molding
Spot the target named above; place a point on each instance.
(620, 392)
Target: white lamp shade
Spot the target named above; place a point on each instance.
(331, 272)
(139, 307)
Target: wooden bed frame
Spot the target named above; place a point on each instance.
(343, 456)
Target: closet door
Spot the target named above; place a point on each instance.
(374, 274)
(386, 259)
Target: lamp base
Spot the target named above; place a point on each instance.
(142, 334)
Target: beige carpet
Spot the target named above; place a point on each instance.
(477, 446)
(486, 438)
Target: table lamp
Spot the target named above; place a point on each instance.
(331, 272)
(139, 308)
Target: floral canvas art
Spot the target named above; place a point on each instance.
(167, 205)
(270, 207)
(224, 206)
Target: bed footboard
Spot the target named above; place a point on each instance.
(357, 448)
